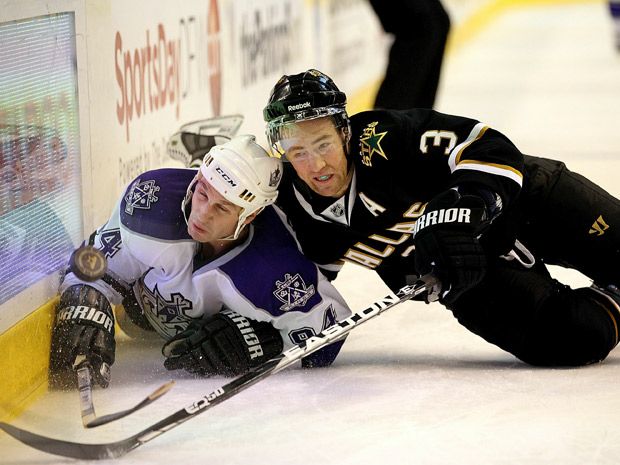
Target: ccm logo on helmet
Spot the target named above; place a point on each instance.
(226, 177)
(449, 215)
(299, 106)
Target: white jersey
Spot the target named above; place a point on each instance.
(265, 278)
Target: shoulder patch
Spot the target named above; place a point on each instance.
(141, 194)
(370, 143)
(151, 205)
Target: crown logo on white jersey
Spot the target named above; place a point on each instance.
(293, 292)
(167, 316)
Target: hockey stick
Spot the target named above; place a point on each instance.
(85, 388)
(90, 264)
(276, 364)
(87, 407)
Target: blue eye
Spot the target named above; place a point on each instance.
(298, 155)
(324, 147)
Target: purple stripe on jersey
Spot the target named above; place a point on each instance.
(271, 272)
(323, 357)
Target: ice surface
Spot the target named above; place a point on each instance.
(412, 386)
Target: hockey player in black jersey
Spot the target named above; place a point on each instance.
(411, 192)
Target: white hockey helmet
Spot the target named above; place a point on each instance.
(244, 174)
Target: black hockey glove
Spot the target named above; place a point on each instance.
(223, 344)
(446, 243)
(83, 333)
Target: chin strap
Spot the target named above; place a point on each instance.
(187, 200)
(186, 206)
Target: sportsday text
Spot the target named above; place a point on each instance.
(165, 69)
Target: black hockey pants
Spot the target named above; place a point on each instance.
(563, 219)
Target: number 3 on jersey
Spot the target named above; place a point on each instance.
(438, 138)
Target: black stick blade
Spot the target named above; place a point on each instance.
(105, 419)
(71, 449)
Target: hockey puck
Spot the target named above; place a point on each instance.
(88, 263)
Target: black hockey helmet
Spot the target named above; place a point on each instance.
(301, 97)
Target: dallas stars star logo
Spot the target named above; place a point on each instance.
(370, 143)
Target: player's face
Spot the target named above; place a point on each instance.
(212, 216)
(316, 151)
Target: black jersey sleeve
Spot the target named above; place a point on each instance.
(488, 159)
(436, 151)
(475, 153)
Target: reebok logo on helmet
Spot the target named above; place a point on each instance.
(299, 106)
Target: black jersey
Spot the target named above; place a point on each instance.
(402, 159)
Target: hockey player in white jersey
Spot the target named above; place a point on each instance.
(190, 257)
